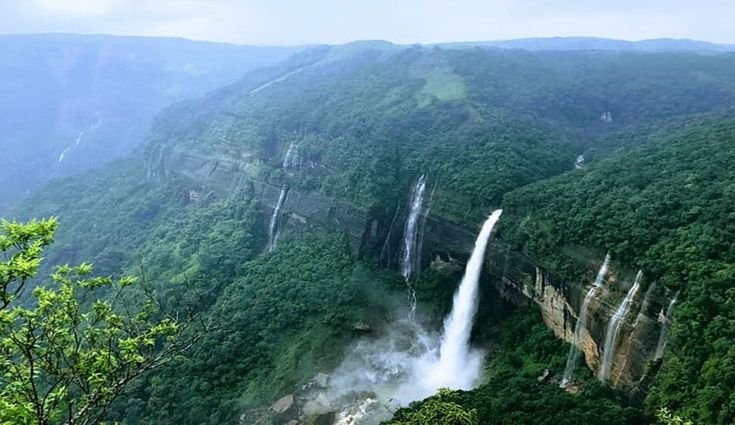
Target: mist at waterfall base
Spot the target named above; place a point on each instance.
(409, 362)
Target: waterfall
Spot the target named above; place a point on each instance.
(292, 158)
(664, 336)
(614, 326)
(574, 352)
(456, 366)
(409, 363)
(410, 249)
(409, 254)
(275, 218)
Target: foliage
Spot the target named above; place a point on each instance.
(512, 394)
(69, 355)
(665, 417)
(21, 245)
(441, 409)
(187, 250)
(666, 207)
(282, 321)
(480, 124)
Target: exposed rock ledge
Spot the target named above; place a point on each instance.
(519, 280)
(516, 277)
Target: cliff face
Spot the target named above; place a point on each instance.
(227, 172)
(519, 280)
(516, 276)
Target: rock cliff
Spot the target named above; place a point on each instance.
(516, 277)
(521, 281)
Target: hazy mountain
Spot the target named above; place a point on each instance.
(278, 206)
(70, 102)
(594, 43)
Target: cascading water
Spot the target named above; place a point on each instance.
(409, 363)
(664, 336)
(411, 231)
(614, 326)
(292, 158)
(410, 249)
(273, 228)
(574, 352)
(457, 366)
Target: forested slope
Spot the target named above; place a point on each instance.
(488, 128)
(668, 208)
(74, 102)
(479, 121)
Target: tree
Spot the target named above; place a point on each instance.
(21, 246)
(79, 341)
(441, 409)
(665, 417)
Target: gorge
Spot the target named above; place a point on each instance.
(293, 209)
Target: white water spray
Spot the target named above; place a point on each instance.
(410, 363)
(410, 249)
(614, 326)
(574, 352)
(664, 336)
(458, 367)
(273, 228)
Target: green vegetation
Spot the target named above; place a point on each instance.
(441, 409)
(666, 207)
(68, 355)
(277, 326)
(513, 395)
(488, 128)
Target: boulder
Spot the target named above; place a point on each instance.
(321, 380)
(283, 405)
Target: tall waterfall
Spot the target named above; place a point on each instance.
(614, 326)
(664, 335)
(457, 367)
(273, 228)
(410, 253)
(574, 352)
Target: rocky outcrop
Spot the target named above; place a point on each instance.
(230, 172)
(227, 172)
(522, 282)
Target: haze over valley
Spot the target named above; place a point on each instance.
(518, 230)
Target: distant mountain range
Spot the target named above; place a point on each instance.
(594, 43)
(70, 102)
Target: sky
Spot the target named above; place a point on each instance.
(293, 22)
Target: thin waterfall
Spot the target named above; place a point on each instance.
(574, 352)
(664, 336)
(614, 326)
(409, 253)
(410, 248)
(274, 229)
(292, 158)
(422, 225)
(456, 366)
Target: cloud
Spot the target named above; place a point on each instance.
(73, 8)
(404, 21)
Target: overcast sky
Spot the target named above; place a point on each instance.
(402, 21)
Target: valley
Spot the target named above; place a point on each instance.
(332, 217)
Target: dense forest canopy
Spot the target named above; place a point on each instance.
(586, 152)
